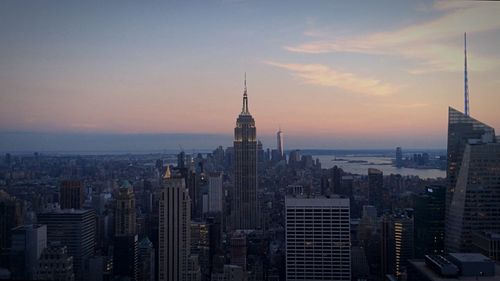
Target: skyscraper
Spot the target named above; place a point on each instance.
(72, 194)
(280, 147)
(317, 238)
(215, 193)
(244, 200)
(174, 229)
(28, 242)
(125, 216)
(11, 215)
(399, 157)
(55, 263)
(75, 229)
(429, 221)
(397, 242)
(146, 260)
(473, 197)
(461, 129)
(125, 251)
(375, 186)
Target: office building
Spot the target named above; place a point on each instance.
(462, 129)
(11, 216)
(454, 266)
(200, 245)
(72, 194)
(55, 263)
(399, 157)
(430, 221)
(174, 229)
(244, 196)
(125, 257)
(239, 249)
(317, 238)
(28, 242)
(487, 243)
(125, 213)
(375, 188)
(101, 268)
(74, 229)
(215, 193)
(146, 266)
(125, 241)
(397, 243)
(474, 201)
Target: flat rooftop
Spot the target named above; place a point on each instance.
(470, 257)
(427, 271)
(315, 201)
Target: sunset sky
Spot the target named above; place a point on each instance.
(331, 74)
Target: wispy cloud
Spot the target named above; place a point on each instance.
(428, 43)
(318, 74)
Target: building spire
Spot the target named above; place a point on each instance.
(466, 81)
(244, 110)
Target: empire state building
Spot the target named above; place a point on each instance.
(244, 202)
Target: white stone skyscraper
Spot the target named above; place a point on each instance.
(318, 245)
(174, 229)
(244, 208)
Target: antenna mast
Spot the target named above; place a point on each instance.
(466, 81)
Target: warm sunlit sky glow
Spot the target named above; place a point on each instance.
(332, 74)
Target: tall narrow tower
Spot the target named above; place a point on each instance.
(174, 229)
(244, 202)
(466, 81)
(279, 136)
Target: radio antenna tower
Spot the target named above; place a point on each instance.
(466, 81)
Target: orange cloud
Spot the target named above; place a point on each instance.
(322, 75)
(427, 43)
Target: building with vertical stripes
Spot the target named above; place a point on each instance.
(317, 239)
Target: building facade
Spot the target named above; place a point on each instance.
(74, 229)
(72, 194)
(174, 229)
(244, 197)
(317, 238)
(28, 242)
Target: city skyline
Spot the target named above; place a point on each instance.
(83, 71)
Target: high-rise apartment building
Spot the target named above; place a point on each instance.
(72, 194)
(473, 197)
(174, 229)
(317, 238)
(244, 197)
(74, 229)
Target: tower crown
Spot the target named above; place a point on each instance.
(244, 110)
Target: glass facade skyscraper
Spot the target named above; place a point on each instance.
(473, 196)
